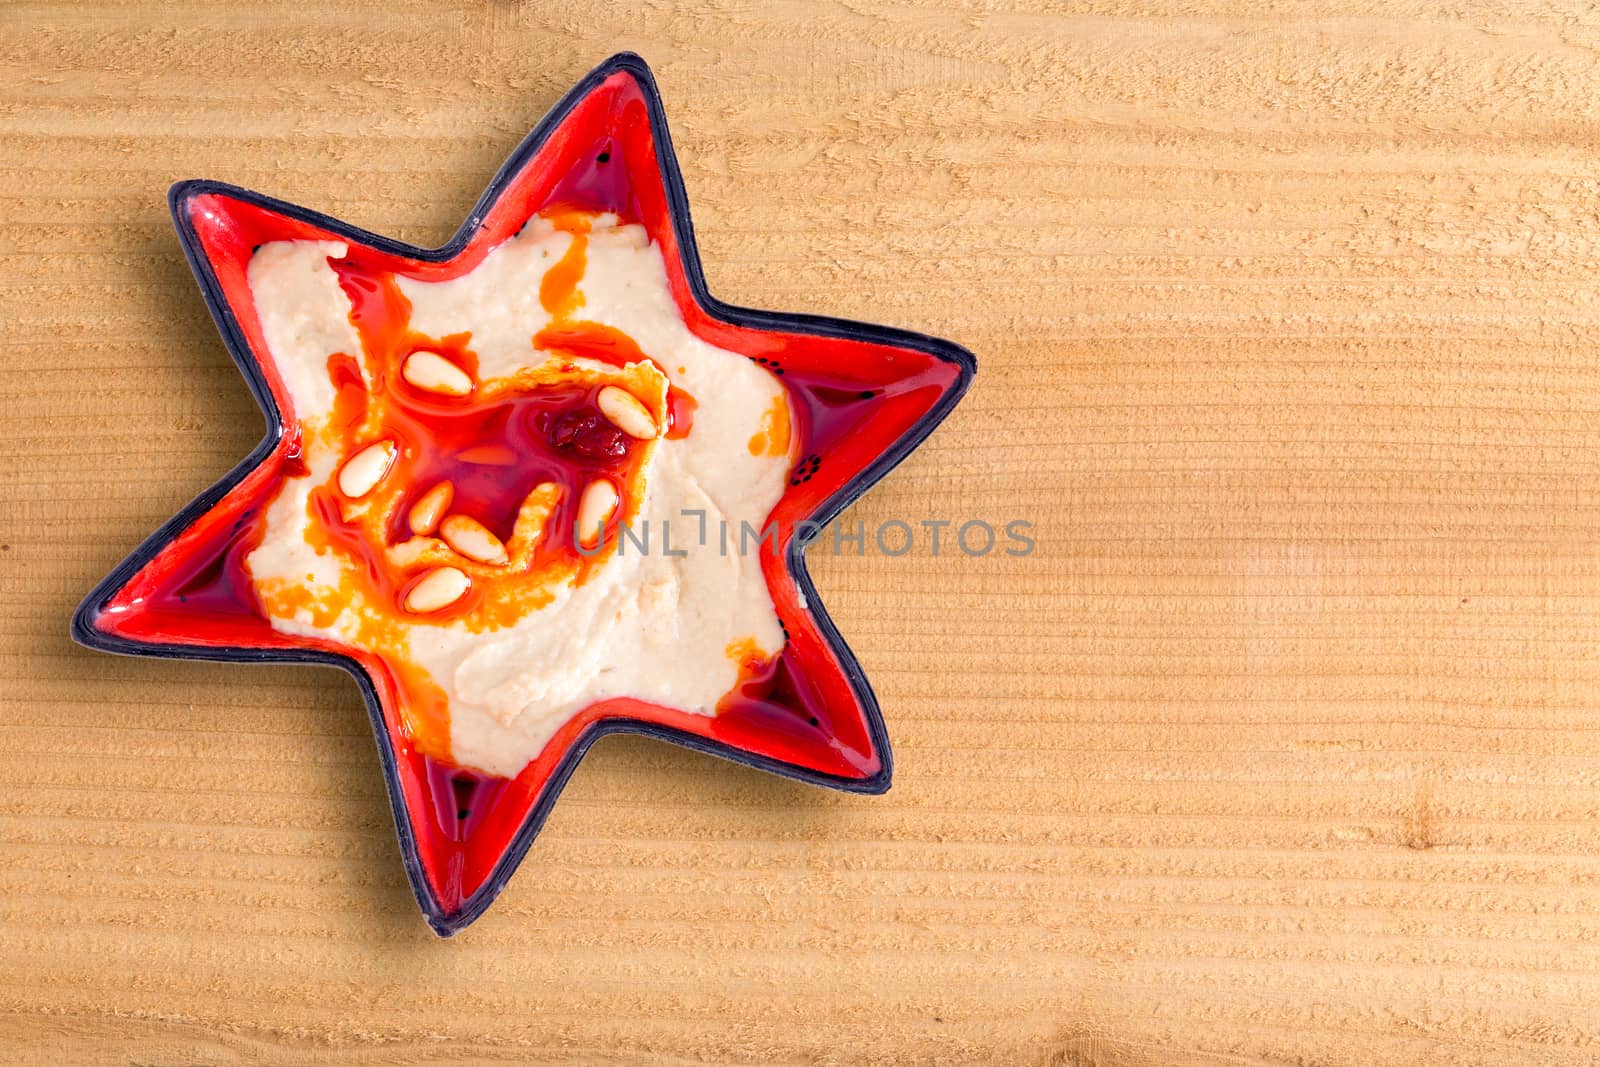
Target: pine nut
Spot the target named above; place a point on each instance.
(531, 520)
(627, 412)
(366, 469)
(473, 539)
(595, 509)
(433, 373)
(430, 508)
(438, 589)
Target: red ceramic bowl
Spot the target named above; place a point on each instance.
(864, 397)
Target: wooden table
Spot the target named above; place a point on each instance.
(1282, 747)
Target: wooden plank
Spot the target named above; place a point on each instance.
(1280, 748)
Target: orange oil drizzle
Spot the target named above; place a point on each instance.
(745, 652)
(681, 407)
(558, 292)
(772, 438)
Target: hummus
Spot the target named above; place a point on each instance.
(544, 631)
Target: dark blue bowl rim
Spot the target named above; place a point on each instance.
(84, 621)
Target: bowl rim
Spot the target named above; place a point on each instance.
(85, 627)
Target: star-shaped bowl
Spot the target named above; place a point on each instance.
(863, 396)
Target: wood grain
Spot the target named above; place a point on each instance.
(1282, 747)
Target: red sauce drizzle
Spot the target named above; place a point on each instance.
(605, 344)
(680, 413)
(350, 391)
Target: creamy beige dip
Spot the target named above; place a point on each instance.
(649, 626)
